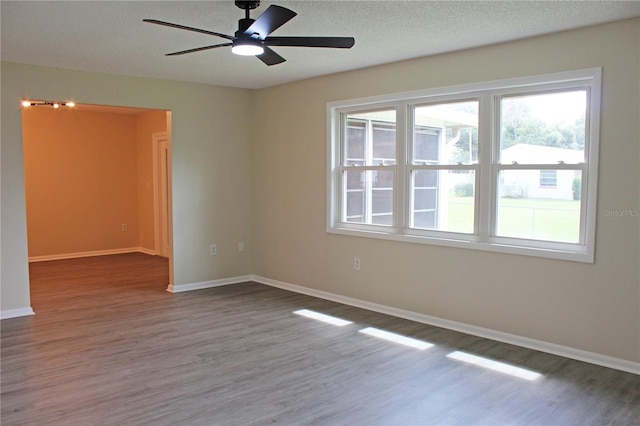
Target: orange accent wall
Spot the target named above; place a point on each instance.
(82, 174)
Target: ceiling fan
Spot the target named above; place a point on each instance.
(252, 37)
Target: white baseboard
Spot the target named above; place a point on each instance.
(179, 288)
(62, 256)
(14, 313)
(539, 345)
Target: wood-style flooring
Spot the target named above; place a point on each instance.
(109, 346)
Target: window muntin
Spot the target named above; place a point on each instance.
(427, 175)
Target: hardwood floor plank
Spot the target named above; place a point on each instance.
(109, 346)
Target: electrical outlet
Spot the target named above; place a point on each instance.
(124, 227)
(356, 263)
(214, 250)
(241, 246)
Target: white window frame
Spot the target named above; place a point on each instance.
(488, 95)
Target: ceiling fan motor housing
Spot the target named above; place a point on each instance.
(247, 4)
(246, 22)
(243, 24)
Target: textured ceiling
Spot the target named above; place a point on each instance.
(110, 37)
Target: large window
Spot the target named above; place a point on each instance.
(508, 166)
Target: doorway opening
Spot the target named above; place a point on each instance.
(98, 182)
(161, 164)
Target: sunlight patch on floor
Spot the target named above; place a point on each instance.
(322, 317)
(495, 365)
(396, 338)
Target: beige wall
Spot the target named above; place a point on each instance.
(222, 167)
(211, 167)
(592, 307)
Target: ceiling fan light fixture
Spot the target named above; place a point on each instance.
(253, 35)
(247, 48)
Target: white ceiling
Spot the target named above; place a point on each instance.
(110, 37)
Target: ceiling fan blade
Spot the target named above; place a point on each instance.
(336, 42)
(272, 19)
(270, 57)
(182, 27)
(198, 49)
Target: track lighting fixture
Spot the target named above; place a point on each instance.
(27, 103)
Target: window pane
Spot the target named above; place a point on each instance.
(543, 129)
(445, 133)
(426, 143)
(369, 197)
(443, 200)
(371, 138)
(527, 209)
(356, 134)
(384, 143)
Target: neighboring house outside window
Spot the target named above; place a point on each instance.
(507, 166)
(543, 183)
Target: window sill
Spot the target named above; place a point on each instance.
(557, 251)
